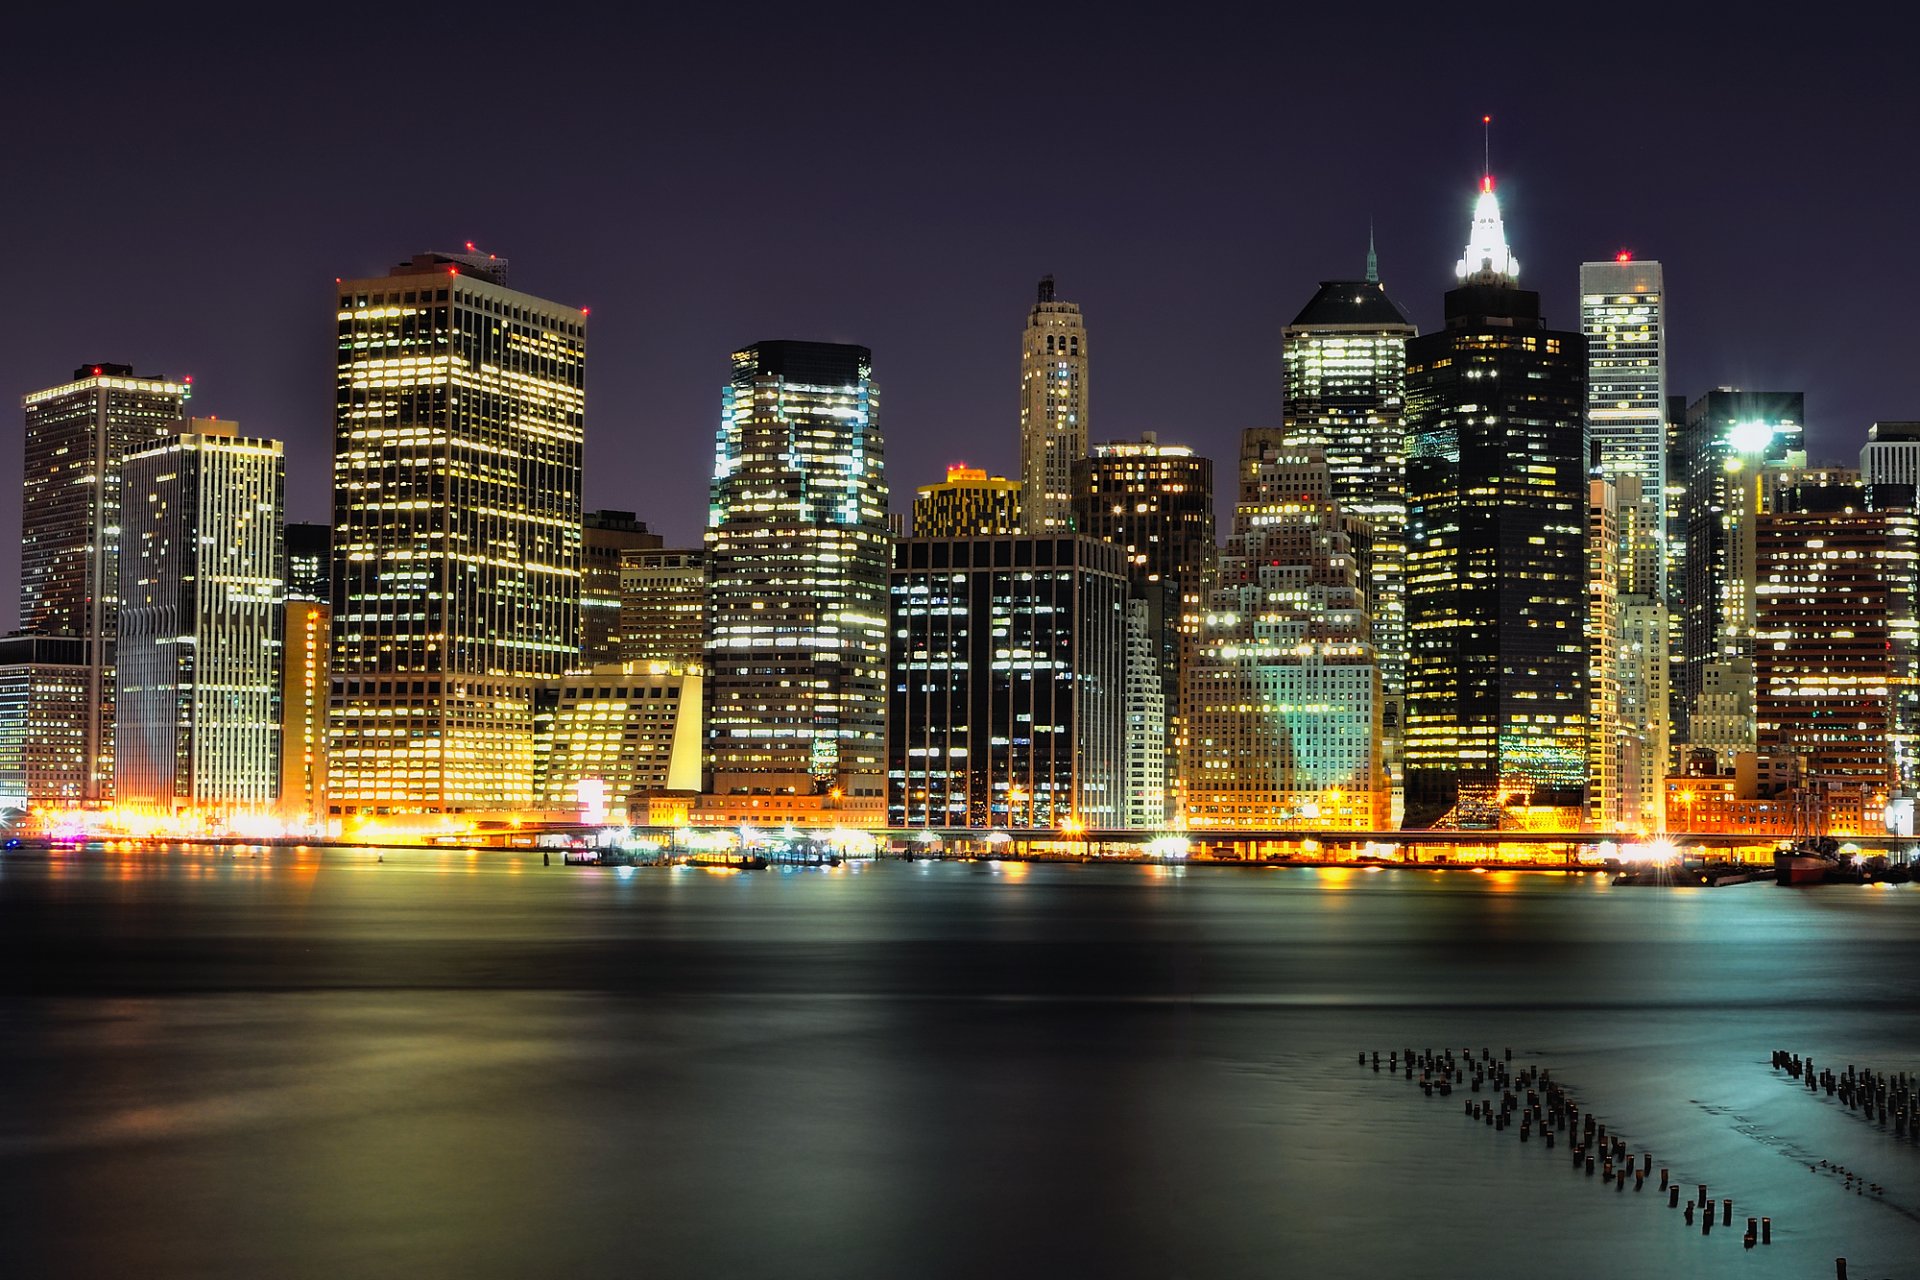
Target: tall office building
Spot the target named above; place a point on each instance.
(1603, 653)
(1623, 312)
(309, 558)
(969, 503)
(1836, 632)
(1497, 547)
(606, 538)
(1345, 361)
(1891, 455)
(663, 607)
(1282, 697)
(459, 413)
(798, 554)
(1007, 699)
(1053, 410)
(1729, 442)
(44, 719)
(76, 434)
(1154, 502)
(306, 669)
(201, 577)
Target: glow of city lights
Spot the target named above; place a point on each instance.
(1749, 437)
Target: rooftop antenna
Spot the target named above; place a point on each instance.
(1373, 259)
(1486, 153)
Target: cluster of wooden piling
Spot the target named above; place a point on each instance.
(1530, 1101)
(1871, 1095)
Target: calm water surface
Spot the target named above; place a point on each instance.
(442, 1065)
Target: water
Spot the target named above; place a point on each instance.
(316, 1064)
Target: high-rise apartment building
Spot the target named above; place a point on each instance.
(1497, 547)
(1836, 638)
(1008, 670)
(201, 576)
(1281, 700)
(798, 555)
(969, 503)
(309, 558)
(44, 719)
(306, 668)
(606, 538)
(459, 414)
(663, 607)
(1345, 361)
(1155, 502)
(76, 435)
(1623, 311)
(1730, 441)
(1053, 410)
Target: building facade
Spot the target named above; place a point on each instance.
(1497, 554)
(969, 503)
(201, 617)
(1053, 410)
(1007, 698)
(306, 684)
(606, 537)
(1345, 361)
(309, 557)
(1623, 310)
(613, 734)
(76, 435)
(44, 719)
(459, 418)
(797, 556)
(663, 607)
(1282, 697)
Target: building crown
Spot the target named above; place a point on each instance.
(1487, 259)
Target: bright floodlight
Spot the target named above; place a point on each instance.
(1750, 437)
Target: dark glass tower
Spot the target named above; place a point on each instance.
(1497, 555)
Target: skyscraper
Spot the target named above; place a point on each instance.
(1154, 502)
(614, 733)
(663, 607)
(76, 435)
(1053, 410)
(1497, 546)
(606, 537)
(1730, 441)
(200, 623)
(1281, 700)
(1008, 682)
(1345, 359)
(306, 667)
(1891, 455)
(44, 720)
(459, 415)
(309, 558)
(967, 504)
(1623, 311)
(798, 555)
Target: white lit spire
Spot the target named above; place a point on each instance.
(1487, 259)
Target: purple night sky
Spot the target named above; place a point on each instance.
(182, 197)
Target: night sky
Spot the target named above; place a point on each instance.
(183, 194)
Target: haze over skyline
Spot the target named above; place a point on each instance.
(184, 198)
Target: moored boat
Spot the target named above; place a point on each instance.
(1810, 861)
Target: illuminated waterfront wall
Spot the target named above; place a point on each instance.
(201, 577)
(459, 415)
(797, 555)
(76, 435)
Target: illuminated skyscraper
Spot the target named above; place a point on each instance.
(309, 562)
(1053, 410)
(1497, 547)
(44, 722)
(663, 607)
(1281, 699)
(614, 733)
(1730, 441)
(1623, 311)
(1345, 358)
(456, 533)
(798, 554)
(967, 504)
(1891, 456)
(1008, 683)
(1154, 502)
(305, 685)
(201, 577)
(606, 538)
(76, 434)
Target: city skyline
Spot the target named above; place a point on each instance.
(932, 266)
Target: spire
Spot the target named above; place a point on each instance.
(1373, 259)
(1487, 259)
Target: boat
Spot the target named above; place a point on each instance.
(1810, 861)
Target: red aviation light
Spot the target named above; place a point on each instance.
(1625, 255)
(469, 246)
(96, 371)
(1486, 183)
